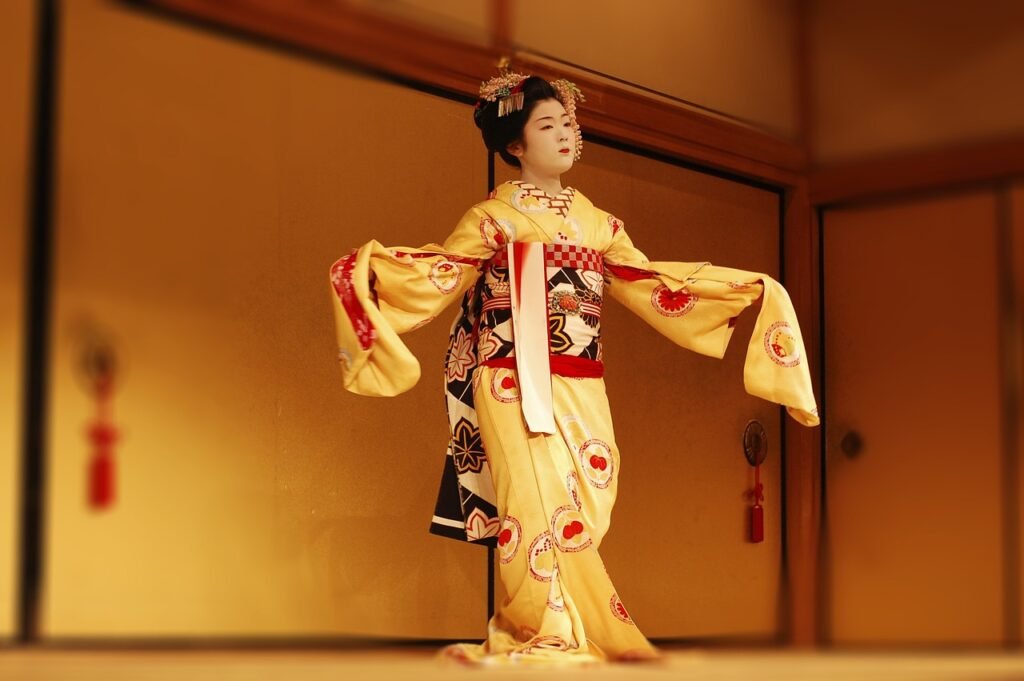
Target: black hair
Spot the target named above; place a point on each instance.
(497, 132)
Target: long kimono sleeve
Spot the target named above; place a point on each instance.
(695, 304)
(378, 293)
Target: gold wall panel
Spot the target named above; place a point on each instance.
(206, 185)
(17, 42)
(912, 365)
(734, 57)
(677, 550)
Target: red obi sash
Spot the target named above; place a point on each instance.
(561, 365)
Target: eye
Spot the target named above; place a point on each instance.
(547, 126)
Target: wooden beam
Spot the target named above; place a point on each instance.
(985, 161)
(501, 24)
(340, 31)
(804, 77)
(422, 55)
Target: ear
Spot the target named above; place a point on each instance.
(516, 149)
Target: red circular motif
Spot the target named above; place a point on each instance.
(672, 303)
(597, 463)
(445, 276)
(567, 528)
(509, 539)
(503, 386)
(781, 344)
(619, 610)
(564, 301)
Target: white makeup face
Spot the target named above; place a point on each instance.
(548, 140)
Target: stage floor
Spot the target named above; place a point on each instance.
(40, 664)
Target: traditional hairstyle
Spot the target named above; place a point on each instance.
(506, 102)
(501, 127)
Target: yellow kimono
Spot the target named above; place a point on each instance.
(543, 496)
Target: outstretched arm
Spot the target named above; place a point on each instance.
(695, 304)
(378, 293)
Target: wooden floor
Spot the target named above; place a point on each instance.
(21, 664)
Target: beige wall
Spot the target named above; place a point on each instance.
(898, 76)
(16, 60)
(200, 208)
(198, 213)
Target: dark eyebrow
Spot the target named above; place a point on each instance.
(548, 117)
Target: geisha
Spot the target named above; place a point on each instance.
(532, 465)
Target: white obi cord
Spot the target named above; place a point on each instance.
(528, 275)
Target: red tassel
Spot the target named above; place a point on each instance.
(756, 524)
(101, 480)
(756, 512)
(102, 466)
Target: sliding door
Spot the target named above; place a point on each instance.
(914, 457)
(199, 210)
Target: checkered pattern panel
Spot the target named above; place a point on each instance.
(562, 255)
(576, 257)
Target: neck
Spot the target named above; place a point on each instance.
(552, 184)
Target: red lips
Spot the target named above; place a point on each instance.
(572, 529)
(598, 462)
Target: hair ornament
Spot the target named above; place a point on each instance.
(569, 93)
(504, 88)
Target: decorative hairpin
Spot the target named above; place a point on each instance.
(506, 89)
(569, 94)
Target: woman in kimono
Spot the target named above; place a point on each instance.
(532, 465)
